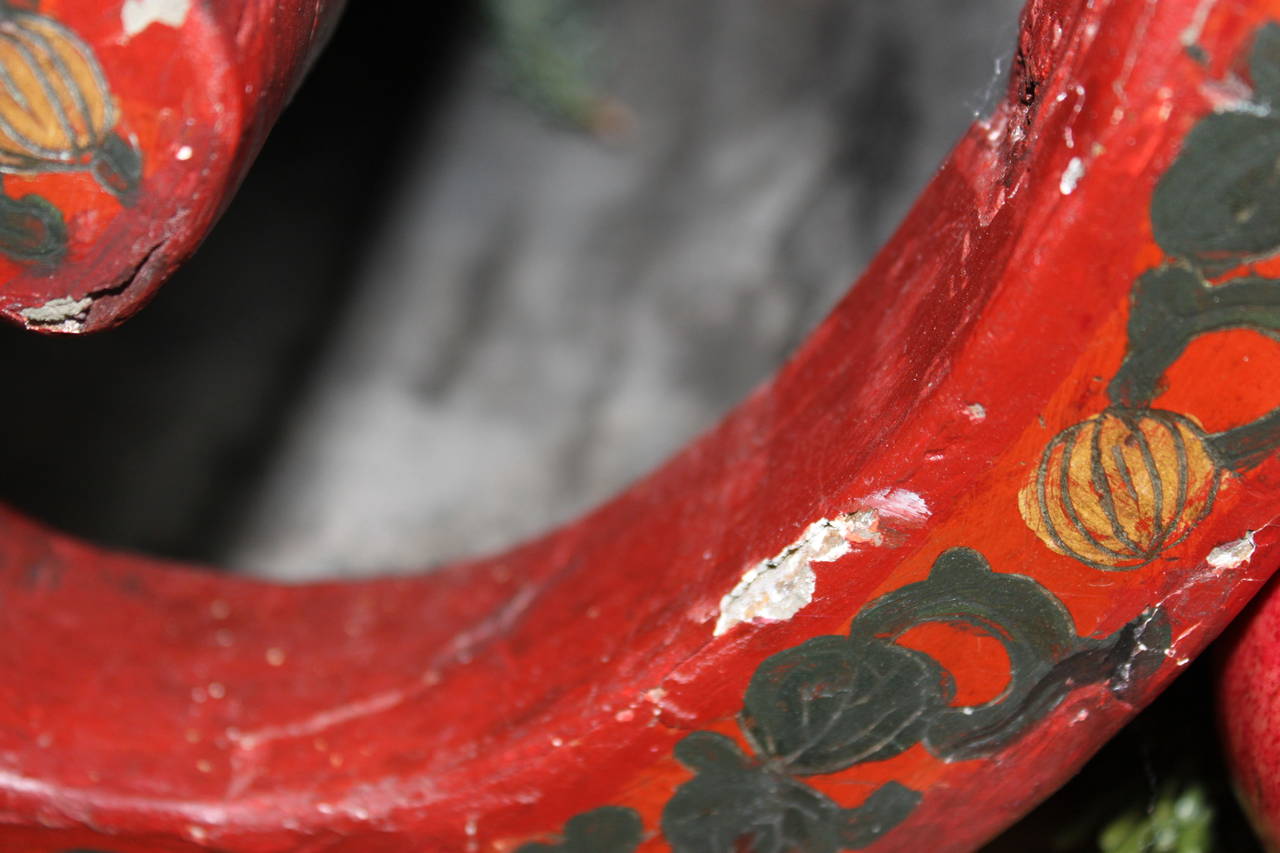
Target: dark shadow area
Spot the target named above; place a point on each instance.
(147, 437)
(1169, 749)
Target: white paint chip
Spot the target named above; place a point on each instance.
(1071, 176)
(183, 153)
(1232, 555)
(137, 15)
(61, 310)
(778, 588)
(975, 412)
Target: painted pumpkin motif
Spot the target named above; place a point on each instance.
(57, 114)
(1117, 489)
(56, 111)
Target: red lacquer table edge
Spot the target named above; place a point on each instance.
(621, 678)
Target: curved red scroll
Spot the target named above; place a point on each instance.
(981, 517)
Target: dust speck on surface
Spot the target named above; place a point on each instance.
(1071, 176)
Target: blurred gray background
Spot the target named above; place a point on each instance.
(488, 272)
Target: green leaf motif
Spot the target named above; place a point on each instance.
(608, 829)
(1171, 307)
(833, 702)
(836, 701)
(32, 230)
(1047, 659)
(1264, 64)
(1218, 205)
(736, 803)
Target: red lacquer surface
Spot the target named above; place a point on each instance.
(195, 91)
(153, 707)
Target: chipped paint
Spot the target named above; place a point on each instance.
(780, 587)
(1232, 94)
(1246, 106)
(1232, 555)
(862, 526)
(64, 311)
(1071, 176)
(975, 412)
(137, 15)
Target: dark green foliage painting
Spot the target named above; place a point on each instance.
(836, 701)
(1217, 205)
(609, 829)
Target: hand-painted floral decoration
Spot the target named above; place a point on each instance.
(1118, 489)
(57, 114)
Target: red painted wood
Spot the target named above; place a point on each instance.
(195, 87)
(155, 707)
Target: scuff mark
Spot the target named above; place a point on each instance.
(1131, 56)
(1232, 555)
(320, 721)
(246, 760)
(464, 645)
(64, 312)
(901, 504)
(137, 15)
(669, 714)
(1233, 95)
(1190, 37)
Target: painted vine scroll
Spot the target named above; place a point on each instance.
(1019, 478)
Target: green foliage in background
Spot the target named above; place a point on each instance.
(1179, 821)
(548, 48)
